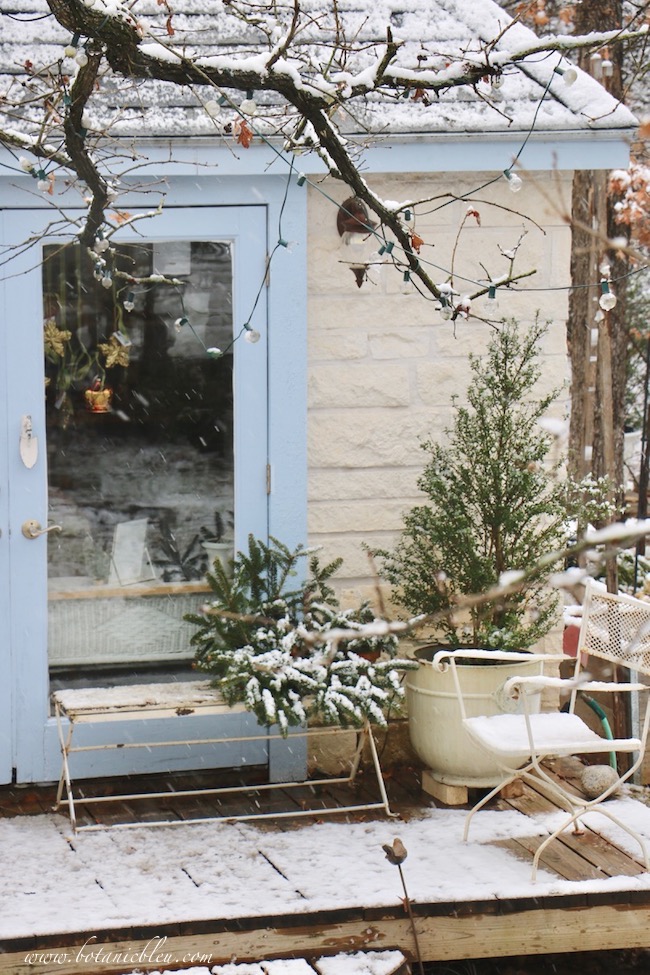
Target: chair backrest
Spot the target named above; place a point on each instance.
(616, 628)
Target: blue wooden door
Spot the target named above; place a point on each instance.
(141, 433)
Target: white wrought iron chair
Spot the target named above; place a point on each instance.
(615, 628)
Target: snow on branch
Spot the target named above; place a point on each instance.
(315, 67)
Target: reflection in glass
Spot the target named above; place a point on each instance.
(140, 444)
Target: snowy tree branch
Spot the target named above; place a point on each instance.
(314, 69)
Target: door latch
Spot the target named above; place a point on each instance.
(32, 528)
(28, 442)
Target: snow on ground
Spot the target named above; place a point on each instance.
(352, 963)
(55, 882)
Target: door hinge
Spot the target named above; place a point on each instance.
(268, 478)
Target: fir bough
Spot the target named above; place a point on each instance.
(255, 638)
(493, 505)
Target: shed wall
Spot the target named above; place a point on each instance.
(384, 366)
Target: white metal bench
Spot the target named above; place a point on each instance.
(177, 700)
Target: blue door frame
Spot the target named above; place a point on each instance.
(270, 440)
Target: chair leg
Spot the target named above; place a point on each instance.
(596, 808)
(485, 799)
(64, 779)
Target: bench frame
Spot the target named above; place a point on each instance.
(177, 705)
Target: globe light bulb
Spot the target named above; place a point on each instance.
(252, 336)
(607, 300)
(71, 49)
(289, 245)
(514, 182)
(249, 105)
(212, 107)
(446, 311)
(492, 304)
(81, 58)
(407, 287)
(569, 75)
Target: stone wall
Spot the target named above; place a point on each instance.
(383, 366)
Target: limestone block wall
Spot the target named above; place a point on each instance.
(384, 366)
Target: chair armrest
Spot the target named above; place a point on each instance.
(598, 686)
(536, 683)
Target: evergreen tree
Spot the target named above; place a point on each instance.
(493, 505)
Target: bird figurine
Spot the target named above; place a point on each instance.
(395, 854)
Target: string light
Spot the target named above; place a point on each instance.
(252, 335)
(569, 75)
(496, 94)
(249, 105)
(288, 245)
(446, 310)
(71, 49)
(607, 299)
(493, 301)
(129, 302)
(302, 179)
(407, 287)
(514, 182)
(181, 322)
(81, 58)
(212, 108)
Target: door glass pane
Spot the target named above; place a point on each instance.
(139, 446)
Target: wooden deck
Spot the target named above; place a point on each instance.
(586, 920)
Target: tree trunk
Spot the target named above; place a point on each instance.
(595, 423)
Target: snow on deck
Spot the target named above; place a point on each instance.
(55, 882)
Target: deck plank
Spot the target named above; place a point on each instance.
(607, 859)
(446, 931)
